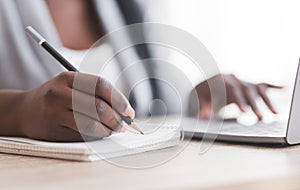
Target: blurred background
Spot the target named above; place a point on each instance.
(257, 40)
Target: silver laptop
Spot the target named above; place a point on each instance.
(277, 132)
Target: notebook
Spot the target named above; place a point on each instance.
(120, 144)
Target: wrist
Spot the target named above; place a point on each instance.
(21, 111)
(10, 112)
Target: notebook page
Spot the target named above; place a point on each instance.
(113, 146)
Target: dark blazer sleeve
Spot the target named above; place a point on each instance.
(133, 14)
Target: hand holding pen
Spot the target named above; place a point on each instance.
(51, 107)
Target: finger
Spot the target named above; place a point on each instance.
(85, 126)
(235, 92)
(262, 92)
(272, 86)
(97, 109)
(250, 95)
(239, 99)
(205, 111)
(97, 86)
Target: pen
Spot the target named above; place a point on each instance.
(51, 50)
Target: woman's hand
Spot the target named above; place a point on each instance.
(243, 94)
(61, 111)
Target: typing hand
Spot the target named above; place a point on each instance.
(48, 112)
(243, 94)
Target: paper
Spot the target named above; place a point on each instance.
(130, 142)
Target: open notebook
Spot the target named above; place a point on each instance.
(156, 137)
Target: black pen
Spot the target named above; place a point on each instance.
(51, 50)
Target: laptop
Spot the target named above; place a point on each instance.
(287, 133)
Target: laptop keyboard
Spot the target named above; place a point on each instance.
(260, 128)
(276, 129)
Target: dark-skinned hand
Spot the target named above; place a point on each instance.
(48, 112)
(239, 92)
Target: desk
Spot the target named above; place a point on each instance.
(224, 166)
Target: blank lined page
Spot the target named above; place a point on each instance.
(120, 144)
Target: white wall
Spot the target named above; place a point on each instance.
(258, 40)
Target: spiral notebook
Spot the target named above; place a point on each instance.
(121, 144)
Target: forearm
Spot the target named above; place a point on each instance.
(10, 112)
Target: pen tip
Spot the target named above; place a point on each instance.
(141, 132)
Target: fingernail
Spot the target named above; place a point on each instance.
(259, 115)
(130, 111)
(273, 111)
(244, 108)
(123, 130)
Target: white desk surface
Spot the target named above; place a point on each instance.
(224, 166)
